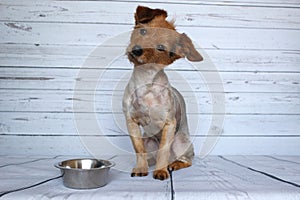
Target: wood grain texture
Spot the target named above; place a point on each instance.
(75, 145)
(94, 34)
(73, 56)
(232, 181)
(208, 179)
(63, 124)
(254, 45)
(116, 78)
(105, 102)
(185, 13)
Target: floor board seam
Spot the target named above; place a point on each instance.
(172, 185)
(28, 187)
(261, 172)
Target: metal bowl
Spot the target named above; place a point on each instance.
(84, 173)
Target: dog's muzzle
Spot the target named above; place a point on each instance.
(137, 50)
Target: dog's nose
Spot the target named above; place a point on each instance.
(137, 50)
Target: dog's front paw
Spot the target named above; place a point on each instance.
(161, 174)
(176, 165)
(139, 171)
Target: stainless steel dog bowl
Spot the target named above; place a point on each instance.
(84, 173)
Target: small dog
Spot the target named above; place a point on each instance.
(151, 102)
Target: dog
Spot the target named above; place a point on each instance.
(150, 103)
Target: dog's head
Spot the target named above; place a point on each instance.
(155, 40)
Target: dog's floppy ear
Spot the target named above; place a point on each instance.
(188, 49)
(145, 14)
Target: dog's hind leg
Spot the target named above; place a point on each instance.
(182, 152)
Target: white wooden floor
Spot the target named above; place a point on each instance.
(215, 177)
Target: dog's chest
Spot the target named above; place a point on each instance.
(150, 104)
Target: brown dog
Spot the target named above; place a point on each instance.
(149, 100)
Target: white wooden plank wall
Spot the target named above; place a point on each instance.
(254, 44)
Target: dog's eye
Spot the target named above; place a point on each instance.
(161, 47)
(143, 31)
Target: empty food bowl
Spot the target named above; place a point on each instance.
(85, 173)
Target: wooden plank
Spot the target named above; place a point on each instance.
(73, 56)
(18, 176)
(291, 159)
(197, 103)
(200, 14)
(94, 34)
(39, 168)
(208, 179)
(256, 3)
(72, 145)
(64, 124)
(233, 3)
(41, 146)
(214, 178)
(257, 146)
(288, 171)
(115, 79)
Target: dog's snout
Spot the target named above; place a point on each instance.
(137, 50)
